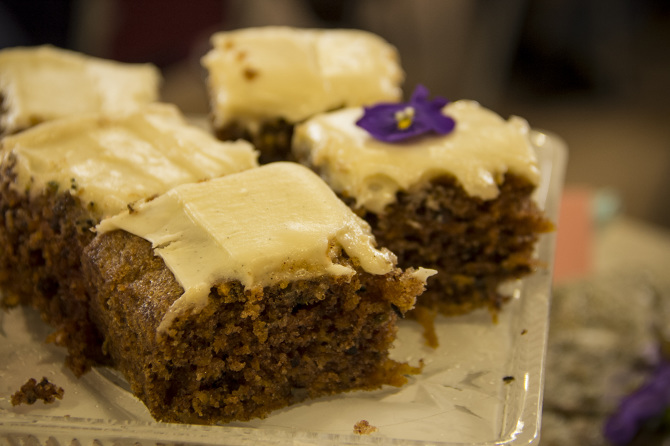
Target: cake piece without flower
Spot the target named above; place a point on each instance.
(38, 84)
(227, 299)
(58, 179)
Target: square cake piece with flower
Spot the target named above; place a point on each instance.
(444, 185)
(262, 81)
(38, 84)
(226, 299)
(58, 179)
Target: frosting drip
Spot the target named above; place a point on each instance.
(258, 74)
(112, 162)
(481, 149)
(264, 226)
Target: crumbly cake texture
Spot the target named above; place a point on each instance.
(261, 289)
(262, 81)
(42, 83)
(364, 427)
(247, 352)
(272, 139)
(47, 212)
(460, 204)
(32, 391)
(42, 238)
(475, 245)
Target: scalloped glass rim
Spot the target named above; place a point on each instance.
(482, 386)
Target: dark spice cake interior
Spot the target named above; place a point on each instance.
(32, 391)
(474, 244)
(272, 140)
(42, 238)
(459, 201)
(47, 211)
(247, 352)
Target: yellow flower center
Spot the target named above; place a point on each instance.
(404, 117)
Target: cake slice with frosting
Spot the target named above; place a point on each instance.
(38, 84)
(459, 202)
(226, 299)
(58, 179)
(262, 81)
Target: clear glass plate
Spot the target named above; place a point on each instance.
(482, 386)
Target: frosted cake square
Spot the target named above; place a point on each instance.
(226, 299)
(38, 84)
(262, 81)
(460, 203)
(58, 179)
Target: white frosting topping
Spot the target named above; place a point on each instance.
(481, 149)
(257, 74)
(264, 226)
(114, 161)
(44, 83)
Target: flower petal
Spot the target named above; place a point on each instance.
(648, 401)
(440, 123)
(420, 95)
(381, 120)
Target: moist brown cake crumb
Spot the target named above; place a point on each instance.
(425, 316)
(32, 391)
(475, 245)
(272, 139)
(363, 427)
(42, 238)
(248, 351)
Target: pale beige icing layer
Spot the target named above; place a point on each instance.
(43, 83)
(264, 226)
(481, 149)
(257, 74)
(112, 162)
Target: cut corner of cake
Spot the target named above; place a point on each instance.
(261, 289)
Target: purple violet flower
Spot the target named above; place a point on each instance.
(395, 122)
(649, 401)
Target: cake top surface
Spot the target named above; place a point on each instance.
(478, 152)
(114, 161)
(270, 225)
(43, 83)
(257, 74)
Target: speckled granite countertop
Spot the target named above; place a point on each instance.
(604, 332)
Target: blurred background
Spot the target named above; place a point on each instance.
(595, 72)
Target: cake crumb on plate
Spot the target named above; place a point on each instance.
(32, 391)
(363, 427)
